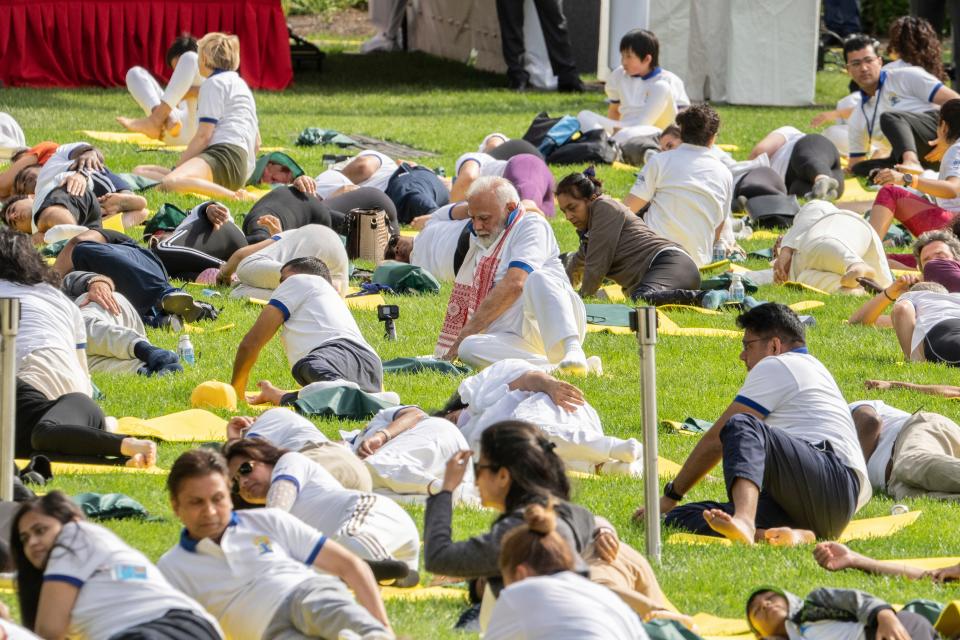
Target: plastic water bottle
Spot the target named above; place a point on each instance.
(719, 251)
(899, 509)
(212, 293)
(736, 293)
(185, 350)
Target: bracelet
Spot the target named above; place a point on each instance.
(887, 296)
(386, 435)
(102, 279)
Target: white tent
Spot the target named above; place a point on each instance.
(737, 51)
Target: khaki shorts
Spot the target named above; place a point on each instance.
(228, 163)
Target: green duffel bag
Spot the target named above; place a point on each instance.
(405, 278)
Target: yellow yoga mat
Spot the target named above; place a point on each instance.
(364, 302)
(141, 140)
(805, 287)
(736, 268)
(409, 233)
(192, 328)
(622, 166)
(678, 427)
(611, 292)
(114, 223)
(192, 425)
(423, 593)
(927, 564)
(687, 307)
(729, 147)
(857, 530)
(714, 265)
(905, 272)
(764, 234)
(73, 468)
(600, 328)
(853, 192)
(711, 625)
(665, 468)
(806, 305)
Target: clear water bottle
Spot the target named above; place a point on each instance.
(736, 292)
(719, 251)
(185, 350)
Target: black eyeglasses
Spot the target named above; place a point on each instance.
(477, 467)
(393, 241)
(245, 469)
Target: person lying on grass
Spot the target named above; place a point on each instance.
(837, 614)
(834, 556)
(788, 420)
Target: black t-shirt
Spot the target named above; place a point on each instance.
(84, 208)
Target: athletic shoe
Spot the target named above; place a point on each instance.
(822, 188)
(469, 620)
(574, 362)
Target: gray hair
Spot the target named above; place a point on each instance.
(938, 235)
(501, 188)
(933, 287)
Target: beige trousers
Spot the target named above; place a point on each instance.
(926, 458)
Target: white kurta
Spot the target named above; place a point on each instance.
(578, 435)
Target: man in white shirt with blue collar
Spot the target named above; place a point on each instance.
(254, 570)
(792, 464)
(898, 107)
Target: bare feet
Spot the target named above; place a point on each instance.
(787, 537)
(134, 218)
(146, 126)
(883, 385)
(729, 526)
(142, 453)
(834, 556)
(244, 195)
(269, 394)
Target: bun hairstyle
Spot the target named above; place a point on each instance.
(219, 51)
(536, 543)
(584, 186)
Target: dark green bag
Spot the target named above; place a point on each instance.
(405, 278)
(312, 136)
(277, 157)
(342, 402)
(109, 506)
(167, 218)
(722, 281)
(426, 363)
(609, 315)
(668, 630)
(927, 608)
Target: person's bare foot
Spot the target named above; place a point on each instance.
(243, 195)
(788, 537)
(834, 556)
(729, 526)
(142, 453)
(146, 126)
(882, 385)
(134, 218)
(269, 394)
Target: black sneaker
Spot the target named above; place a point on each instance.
(469, 620)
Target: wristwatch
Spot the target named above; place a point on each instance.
(668, 492)
(908, 179)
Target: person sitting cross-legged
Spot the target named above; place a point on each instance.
(788, 421)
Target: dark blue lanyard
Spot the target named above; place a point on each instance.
(871, 123)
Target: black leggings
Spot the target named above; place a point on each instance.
(514, 147)
(198, 246)
(942, 343)
(176, 624)
(72, 425)
(813, 155)
(762, 181)
(910, 132)
(669, 270)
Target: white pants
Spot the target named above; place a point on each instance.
(262, 269)
(592, 120)
(829, 249)
(551, 312)
(110, 338)
(409, 463)
(146, 91)
(379, 529)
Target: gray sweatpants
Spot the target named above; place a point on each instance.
(926, 458)
(110, 338)
(320, 608)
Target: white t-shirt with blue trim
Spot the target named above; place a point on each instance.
(285, 429)
(112, 577)
(794, 392)
(652, 99)
(263, 555)
(226, 102)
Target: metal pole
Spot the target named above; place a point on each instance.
(9, 326)
(647, 339)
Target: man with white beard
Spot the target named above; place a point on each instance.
(511, 298)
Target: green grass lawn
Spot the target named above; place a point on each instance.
(447, 108)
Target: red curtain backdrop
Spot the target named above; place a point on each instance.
(72, 43)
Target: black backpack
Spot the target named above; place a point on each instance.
(593, 146)
(542, 123)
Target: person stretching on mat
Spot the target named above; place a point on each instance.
(75, 578)
(222, 154)
(55, 413)
(171, 113)
(834, 556)
(788, 420)
(544, 597)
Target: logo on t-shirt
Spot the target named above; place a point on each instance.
(263, 544)
(894, 99)
(129, 572)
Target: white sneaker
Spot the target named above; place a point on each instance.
(574, 363)
(380, 42)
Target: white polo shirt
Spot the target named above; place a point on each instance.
(333, 179)
(891, 423)
(689, 190)
(313, 314)
(563, 606)
(13, 631)
(435, 247)
(226, 102)
(285, 429)
(653, 99)
(793, 391)
(950, 168)
(489, 166)
(308, 241)
(112, 577)
(322, 502)
(931, 308)
(909, 89)
(264, 554)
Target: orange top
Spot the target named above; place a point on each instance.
(43, 151)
